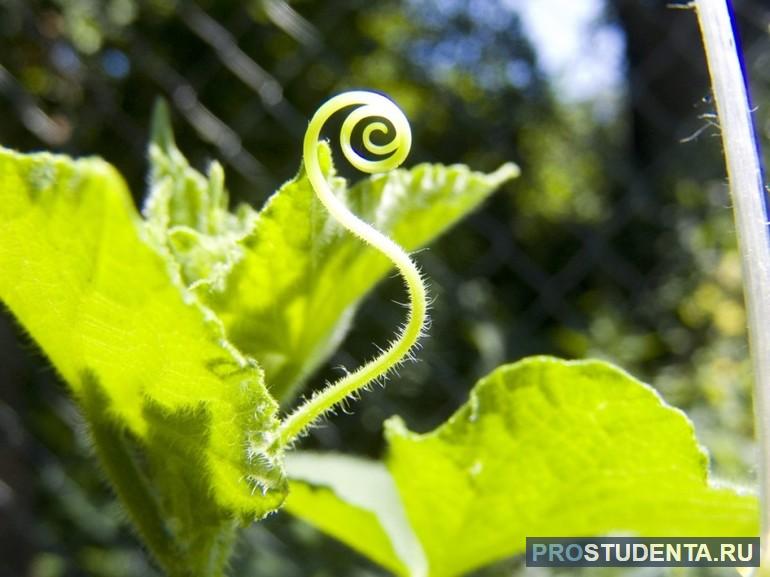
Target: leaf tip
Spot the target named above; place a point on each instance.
(161, 133)
(506, 172)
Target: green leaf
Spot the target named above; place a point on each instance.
(143, 359)
(543, 447)
(289, 298)
(357, 502)
(286, 281)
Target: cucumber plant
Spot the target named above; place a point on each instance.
(181, 333)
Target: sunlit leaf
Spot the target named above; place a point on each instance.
(543, 447)
(297, 277)
(135, 349)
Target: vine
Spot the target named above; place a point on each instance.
(370, 106)
(742, 158)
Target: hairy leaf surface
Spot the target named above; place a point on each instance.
(79, 276)
(285, 282)
(286, 288)
(543, 447)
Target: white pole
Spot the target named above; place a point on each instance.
(749, 206)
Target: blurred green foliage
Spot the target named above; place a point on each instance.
(617, 241)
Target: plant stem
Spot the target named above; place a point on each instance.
(129, 483)
(370, 105)
(750, 209)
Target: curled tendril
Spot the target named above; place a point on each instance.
(369, 106)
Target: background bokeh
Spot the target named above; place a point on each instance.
(617, 241)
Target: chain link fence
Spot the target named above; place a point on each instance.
(616, 242)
